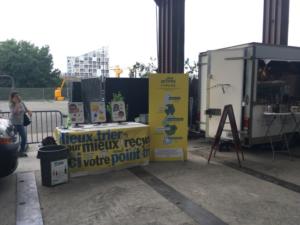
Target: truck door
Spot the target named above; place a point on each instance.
(224, 86)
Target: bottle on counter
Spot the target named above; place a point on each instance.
(69, 122)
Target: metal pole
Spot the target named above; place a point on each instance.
(276, 22)
(171, 18)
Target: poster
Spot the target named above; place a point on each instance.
(59, 171)
(76, 112)
(168, 116)
(105, 148)
(98, 112)
(118, 111)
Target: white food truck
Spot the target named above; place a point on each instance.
(255, 78)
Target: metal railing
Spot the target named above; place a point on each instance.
(43, 124)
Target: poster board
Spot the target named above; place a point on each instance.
(118, 111)
(98, 112)
(168, 116)
(76, 112)
(105, 147)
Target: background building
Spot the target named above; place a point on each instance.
(91, 64)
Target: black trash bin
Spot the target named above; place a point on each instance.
(54, 164)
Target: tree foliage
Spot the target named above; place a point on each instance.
(191, 68)
(143, 70)
(28, 64)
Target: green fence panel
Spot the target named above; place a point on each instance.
(4, 93)
(31, 93)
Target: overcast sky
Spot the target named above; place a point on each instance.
(128, 27)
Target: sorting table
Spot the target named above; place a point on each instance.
(270, 118)
(105, 147)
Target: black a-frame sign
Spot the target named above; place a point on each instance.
(228, 110)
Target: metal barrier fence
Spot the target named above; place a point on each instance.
(43, 124)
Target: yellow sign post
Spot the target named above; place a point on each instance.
(105, 148)
(168, 116)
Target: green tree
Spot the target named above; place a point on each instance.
(28, 64)
(143, 70)
(191, 68)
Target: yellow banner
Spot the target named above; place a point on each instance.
(168, 115)
(106, 149)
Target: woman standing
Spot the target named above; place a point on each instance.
(17, 111)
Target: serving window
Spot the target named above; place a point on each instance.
(278, 82)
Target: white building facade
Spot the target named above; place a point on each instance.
(91, 64)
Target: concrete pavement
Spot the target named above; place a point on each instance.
(123, 198)
(234, 197)
(8, 200)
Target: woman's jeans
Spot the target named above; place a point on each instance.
(22, 132)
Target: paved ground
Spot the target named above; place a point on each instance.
(262, 192)
(259, 159)
(8, 200)
(123, 198)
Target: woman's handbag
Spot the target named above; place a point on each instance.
(27, 121)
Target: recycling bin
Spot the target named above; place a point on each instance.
(54, 165)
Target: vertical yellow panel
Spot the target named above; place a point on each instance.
(168, 116)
